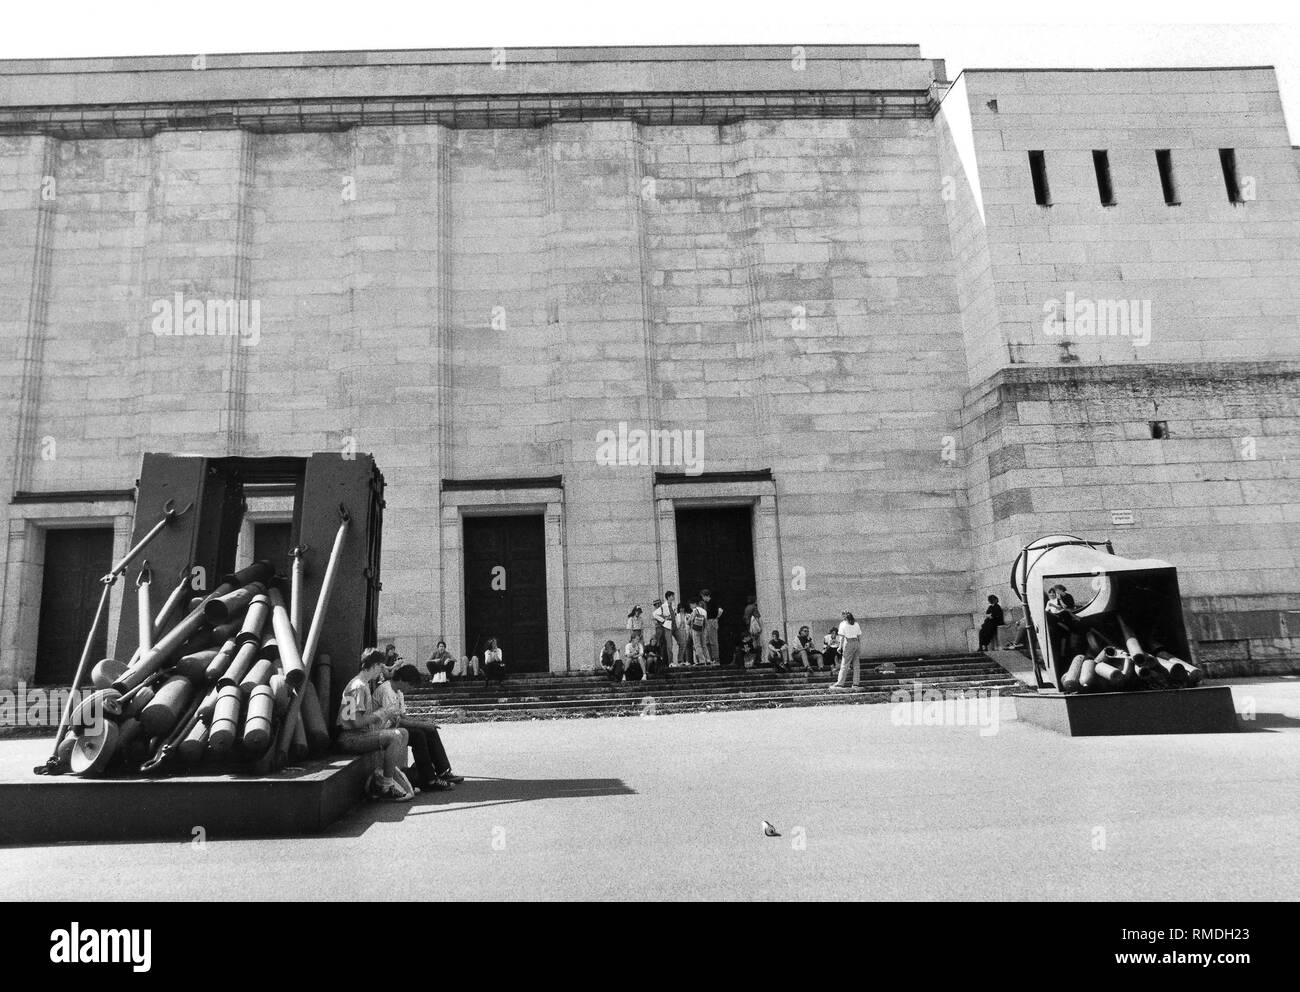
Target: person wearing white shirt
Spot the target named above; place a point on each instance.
(850, 642)
(663, 620)
(632, 655)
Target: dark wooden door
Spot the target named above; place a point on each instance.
(75, 561)
(505, 590)
(271, 543)
(715, 551)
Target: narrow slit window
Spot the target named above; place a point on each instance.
(1105, 189)
(1165, 163)
(1038, 170)
(1228, 159)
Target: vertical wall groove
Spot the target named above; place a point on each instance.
(237, 409)
(38, 300)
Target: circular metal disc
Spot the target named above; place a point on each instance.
(92, 753)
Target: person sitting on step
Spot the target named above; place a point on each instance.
(993, 619)
(805, 650)
(632, 659)
(612, 662)
(494, 663)
(831, 648)
(652, 659)
(776, 652)
(440, 664)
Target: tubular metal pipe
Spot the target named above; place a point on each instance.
(143, 608)
(313, 638)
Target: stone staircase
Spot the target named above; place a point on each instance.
(695, 690)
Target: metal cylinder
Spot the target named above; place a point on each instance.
(259, 571)
(295, 591)
(195, 666)
(257, 723)
(259, 610)
(225, 720)
(1070, 681)
(286, 641)
(144, 609)
(240, 665)
(192, 748)
(220, 661)
(209, 704)
(160, 715)
(1089, 681)
(1180, 672)
(1108, 673)
(232, 604)
(281, 690)
(259, 674)
(172, 605)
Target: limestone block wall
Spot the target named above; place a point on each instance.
(1060, 450)
(1222, 279)
(806, 318)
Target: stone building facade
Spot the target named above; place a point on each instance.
(824, 274)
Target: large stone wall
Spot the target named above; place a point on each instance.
(481, 303)
(1222, 279)
(1059, 434)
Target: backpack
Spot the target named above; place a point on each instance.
(755, 626)
(697, 620)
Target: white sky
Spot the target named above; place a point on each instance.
(1094, 33)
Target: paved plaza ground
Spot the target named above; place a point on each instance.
(670, 807)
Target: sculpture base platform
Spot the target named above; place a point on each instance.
(1202, 710)
(300, 800)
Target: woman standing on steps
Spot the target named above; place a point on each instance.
(850, 642)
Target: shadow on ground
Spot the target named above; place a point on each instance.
(479, 793)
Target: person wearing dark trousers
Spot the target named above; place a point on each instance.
(611, 661)
(494, 664)
(831, 649)
(777, 652)
(633, 654)
(440, 663)
(993, 619)
(432, 769)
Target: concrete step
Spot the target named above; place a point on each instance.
(641, 706)
(686, 690)
(664, 690)
(552, 678)
(693, 680)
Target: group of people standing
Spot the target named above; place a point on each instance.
(685, 634)
(681, 634)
